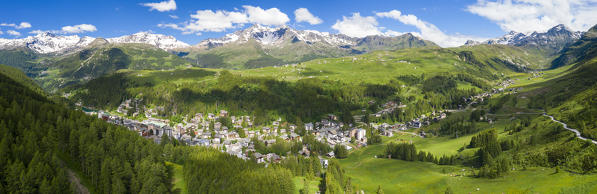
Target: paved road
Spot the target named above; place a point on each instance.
(570, 129)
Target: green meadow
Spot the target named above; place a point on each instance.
(397, 176)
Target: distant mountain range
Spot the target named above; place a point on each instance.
(259, 46)
(550, 42)
(267, 36)
(49, 43)
(251, 46)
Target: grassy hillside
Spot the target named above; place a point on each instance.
(579, 52)
(251, 54)
(545, 158)
(23, 59)
(488, 62)
(424, 79)
(372, 43)
(400, 176)
(570, 97)
(105, 59)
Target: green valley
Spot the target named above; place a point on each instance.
(275, 106)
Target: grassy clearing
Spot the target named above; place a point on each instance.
(176, 174)
(396, 176)
(299, 183)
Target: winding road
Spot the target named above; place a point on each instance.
(570, 129)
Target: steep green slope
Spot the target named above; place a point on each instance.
(571, 97)
(503, 57)
(424, 79)
(18, 76)
(20, 58)
(99, 60)
(373, 43)
(532, 153)
(42, 143)
(488, 62)
(251, 54)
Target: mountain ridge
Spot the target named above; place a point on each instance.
(56, 44)
(550, 42)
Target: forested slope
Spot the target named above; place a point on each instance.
(38, 137)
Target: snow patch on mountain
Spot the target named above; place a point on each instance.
(47, 43)
(277, 35)
(557, 33)
(159, 40)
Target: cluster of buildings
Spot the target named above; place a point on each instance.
(235, 139)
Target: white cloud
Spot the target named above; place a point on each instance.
(79, 28)
(173, 26)
(537, 15)
(1, 32)
(37, 32)
(392, 33)
(210, 21)
(22, 25)
(303, 15)
(427, 30)
(221, 20)
(13, 33)
(173, 16)
(161, 6)
(357, 26)
(271, 16)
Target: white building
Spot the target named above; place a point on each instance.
(361, 134)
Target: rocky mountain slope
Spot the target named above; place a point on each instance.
(259, 46)
(580, 51)
(549, 43)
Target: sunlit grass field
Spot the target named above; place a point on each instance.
(397, 176)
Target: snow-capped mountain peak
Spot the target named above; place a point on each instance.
(273, 36)
(50, 43)
(554, 39)
(47, 42)
(159, 40)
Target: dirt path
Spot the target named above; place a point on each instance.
(74, 180)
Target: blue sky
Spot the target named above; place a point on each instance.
(447, 23)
